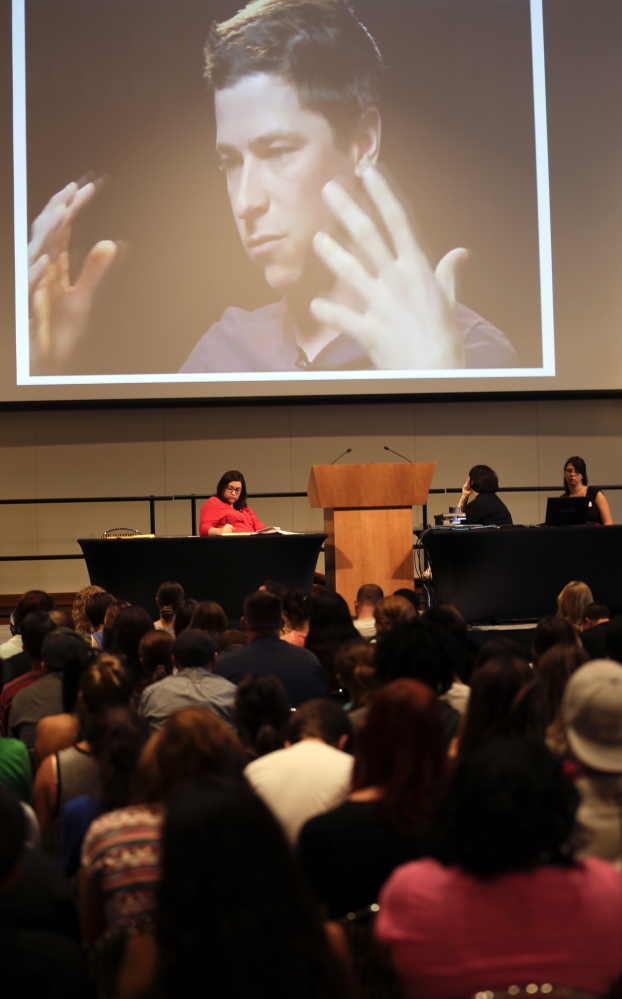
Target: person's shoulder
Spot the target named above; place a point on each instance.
(236, 341)
(485, 345)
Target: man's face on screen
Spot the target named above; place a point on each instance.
(277, 156)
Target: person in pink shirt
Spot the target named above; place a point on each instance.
(227, 512)
(512, 907)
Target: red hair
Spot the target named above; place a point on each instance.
(400, 750)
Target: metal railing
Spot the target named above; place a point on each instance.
(194, 498)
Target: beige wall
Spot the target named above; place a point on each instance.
(168, 451)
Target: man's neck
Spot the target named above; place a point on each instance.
(252, 635)
(310, 335)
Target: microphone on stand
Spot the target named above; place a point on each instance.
(347, 451)
(397, 453)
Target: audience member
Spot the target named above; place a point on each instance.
(613, 639)
(169, 599)
(349, 852)
(231, 639)
(389, 610)
(409, 595)
(366, 601)
(312, 773)
(56, 732)
(273, 586)
(32, 600)
(512, 906)
(572, 601)
(592, 714)
(500, 648)
(356, 674)
(296, 613)
(15, 769)
(34, 628)
(78, 611)
(330, 626)
(130, 625)
(109, 619)
(595, 625)
(554, 669)
(155, 654)
(95, 608)
(193, 686)
(298, 669)
(553, 631)
(210, 617)
(183, 617)
(262, 709)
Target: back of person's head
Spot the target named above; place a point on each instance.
(262, 613)
(510, 808)
(35, 627)
(554, 668)
(506, 699)
(262, 708)
(105, 683)
(62, 619)
(369, 594)
(552, 631)
(117, 737)
(32, 600)
(330, 627)
(156, 654)
(400, 749)
(195, 743)
(95, 608)
(13, 830)
(596, 612)
(297, 608)
(592, 714)
(573, 600)
(356, 671)
(322, 719)
(389, 610)
(128, 628)
(183, 617)
(65, 650)
(110, 616)
(418, 650)
(194, 648)
(78, 610)
(209, 616)
(273, 586)
(231, 639)
(498, 648)
(450, 618)
(613, 639)
(223, 852)
(319, 47)
(409, 595)
(483, 479)
(169, 598)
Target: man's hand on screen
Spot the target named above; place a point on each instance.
(408, 319)
(59, 311)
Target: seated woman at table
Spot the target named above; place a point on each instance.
(227, 512)
(479, 499)
(575, 484)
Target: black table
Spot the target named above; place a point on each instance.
(225, 569)
(516, 573)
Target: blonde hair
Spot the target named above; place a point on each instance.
(572, 601)
(391, 609)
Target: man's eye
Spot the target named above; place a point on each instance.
(226, 166)
(279, 152)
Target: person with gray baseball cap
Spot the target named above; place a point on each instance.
(592, 712)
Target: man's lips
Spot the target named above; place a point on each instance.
(257, 245)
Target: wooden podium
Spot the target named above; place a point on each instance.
(368, 519)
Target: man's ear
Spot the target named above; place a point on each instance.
(212, 666)
(366, 141)
(243, 623)
(342, 742)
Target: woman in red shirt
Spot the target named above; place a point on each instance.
(227, 512)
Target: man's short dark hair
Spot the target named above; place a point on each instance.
(483, 479)
(194, 648)
(317, 45)
(320, 718)
(35, 627)
(420, 650)
(32, 600)
(596, 612)
(263, 612)
(96, 606)
(63, 649)
(370, 594)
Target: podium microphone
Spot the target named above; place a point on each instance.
(397, 453)
(341, 455)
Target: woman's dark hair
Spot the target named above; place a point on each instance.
(419, 650)
(71, 676)
(169, 598)
(262, 708)
(579, 465)
(497, 648)
(231, 900)
(510, 808)
(554, 668)
(506, 699)
(156, 655)
(96, 606)
(128, 627)
(354, 665)
(116, 739)
(105, 684)
(183, 617)
(400, 749)
(297, 608)
(194, 743)
(483, 479)
(330, 627)
(551, 631)
(32, 600)
(232, 476)
(209, 616)
(109, 618)
(232, 638)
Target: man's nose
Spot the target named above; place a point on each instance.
(251, 196)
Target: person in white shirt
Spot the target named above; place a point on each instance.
(367, 598)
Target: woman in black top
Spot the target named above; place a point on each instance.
(575, 484)
(479, 499)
